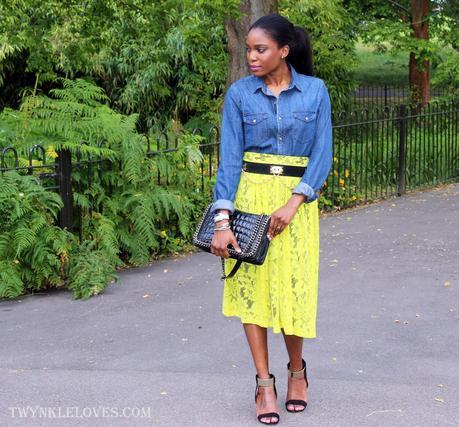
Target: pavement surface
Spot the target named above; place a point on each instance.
(155, 350)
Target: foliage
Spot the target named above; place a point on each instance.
(126, 216)
(447, 74)
(90, 271)
(35, 254)
(159, 59)
(129, 206)
(33, 251)
(162, 60)
(333, 41)
(70, 115)
(387, 26)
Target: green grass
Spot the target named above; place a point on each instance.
(381, 68)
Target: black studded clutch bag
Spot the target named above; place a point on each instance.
(250, 231)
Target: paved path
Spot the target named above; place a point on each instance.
(387, 351)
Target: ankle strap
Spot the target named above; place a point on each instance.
(265, 382)
(297, 374)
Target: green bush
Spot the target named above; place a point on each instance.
(125, 216)
(33, 251)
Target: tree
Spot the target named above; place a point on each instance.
(419, 27)
(419, 70)
(236, 30)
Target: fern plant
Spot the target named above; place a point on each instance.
(126, 216)
(32, 249)
(35, 254)
(146, 216)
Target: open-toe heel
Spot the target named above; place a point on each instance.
(297, 374)
(266, 382)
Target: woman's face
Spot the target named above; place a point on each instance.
(263, 55)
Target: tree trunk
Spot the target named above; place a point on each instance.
(419, 73)
(236, 31)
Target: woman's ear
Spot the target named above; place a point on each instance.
(285, 51)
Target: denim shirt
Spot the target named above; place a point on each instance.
(296, 123)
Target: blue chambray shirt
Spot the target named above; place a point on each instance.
(296, 123)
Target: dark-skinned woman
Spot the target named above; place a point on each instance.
(278, 117)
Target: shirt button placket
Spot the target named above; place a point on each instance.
(279, 129)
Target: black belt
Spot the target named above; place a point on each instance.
(270, 169)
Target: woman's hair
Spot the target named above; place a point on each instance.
(282, 31)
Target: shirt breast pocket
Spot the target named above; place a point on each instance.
(255, 126)
(304, 126)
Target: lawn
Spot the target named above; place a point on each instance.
(377, 68)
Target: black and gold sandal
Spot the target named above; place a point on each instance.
(266, 382)
(297, 374)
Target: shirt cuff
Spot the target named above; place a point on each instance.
(223, 204)
(307, 190)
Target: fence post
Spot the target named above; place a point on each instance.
(402, 134)
(64, 174)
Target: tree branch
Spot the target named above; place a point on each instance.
(400, 6)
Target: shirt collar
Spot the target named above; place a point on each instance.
(260, 83)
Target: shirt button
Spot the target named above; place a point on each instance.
(306, 118)
(280, 138)
(255, 120)
(280, 118)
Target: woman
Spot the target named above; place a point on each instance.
(276, 153)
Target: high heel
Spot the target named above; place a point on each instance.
(266, 382)
(297, 374)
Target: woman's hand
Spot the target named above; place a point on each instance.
(221, 240)
(282, 217)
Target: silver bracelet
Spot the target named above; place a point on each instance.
(220, 216)
(225, 226)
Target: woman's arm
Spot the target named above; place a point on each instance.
(321, 157)
(229, 171)
(231, 153)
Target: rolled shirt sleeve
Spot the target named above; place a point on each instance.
(231, 153)
(321, 157)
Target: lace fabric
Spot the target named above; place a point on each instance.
(282, 293)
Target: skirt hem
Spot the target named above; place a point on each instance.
(275, 329)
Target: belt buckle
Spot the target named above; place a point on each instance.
(276, 170)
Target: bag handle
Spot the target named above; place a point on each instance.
(233, 271)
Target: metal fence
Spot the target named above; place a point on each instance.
(378, 152)
(387, 95)
(384, 152)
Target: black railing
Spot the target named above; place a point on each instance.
(388, 95)
(377, 153)
(384, 152)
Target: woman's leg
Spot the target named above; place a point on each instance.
(258, 343)
(296, 386)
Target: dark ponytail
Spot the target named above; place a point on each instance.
(282, 31)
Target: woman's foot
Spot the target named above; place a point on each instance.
(297, 392)
(266, 403)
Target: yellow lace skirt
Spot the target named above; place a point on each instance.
(282, 292)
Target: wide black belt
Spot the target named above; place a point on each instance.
(272, 169)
